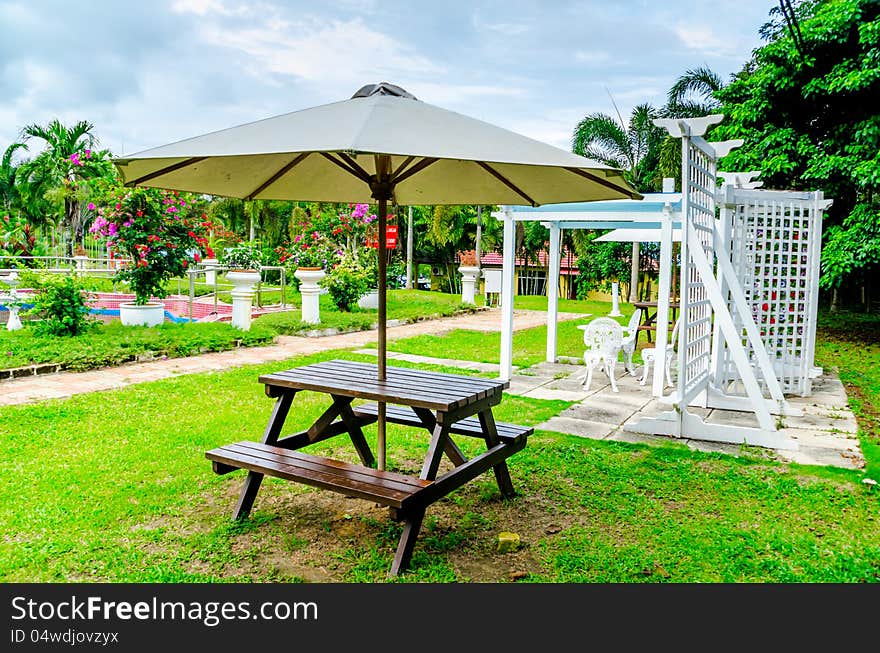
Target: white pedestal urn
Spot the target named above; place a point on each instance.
(615, 299)
(309, 289)
(11, 302)
(210, 270)
(469, 275)
(150, 315)
(243, 282)
(370, 300)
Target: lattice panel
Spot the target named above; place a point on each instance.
(698, 207)
(774, 245)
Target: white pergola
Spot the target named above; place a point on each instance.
(738, 330)
(657, 215)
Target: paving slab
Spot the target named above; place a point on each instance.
(580, 427)
(602, 411)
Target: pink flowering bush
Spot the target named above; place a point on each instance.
(157, 232)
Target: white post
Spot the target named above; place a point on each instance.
(507, 281)
(553, 290)
(615, 300)
(242, 297)
(664, 290)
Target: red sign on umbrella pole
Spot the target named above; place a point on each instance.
(390, 238)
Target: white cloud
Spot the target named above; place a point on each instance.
(592, 56)
(320, 51)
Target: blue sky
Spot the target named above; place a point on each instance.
(147, 73)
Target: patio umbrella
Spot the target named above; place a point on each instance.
(382, 145)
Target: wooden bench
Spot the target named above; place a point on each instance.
(469, 426)
(386, 488)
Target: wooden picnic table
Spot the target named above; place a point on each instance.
(443, 404)
(648, 318)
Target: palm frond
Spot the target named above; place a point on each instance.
(701, 82)
(601, 137)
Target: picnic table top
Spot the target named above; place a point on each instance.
(404, 386)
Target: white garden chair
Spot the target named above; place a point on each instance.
(649, 355)
(603, 339)
(630, 334)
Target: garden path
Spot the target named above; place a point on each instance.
(28, 389)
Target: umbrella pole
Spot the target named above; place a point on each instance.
(383, 299)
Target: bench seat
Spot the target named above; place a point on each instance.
(470, 426)
(383, 487)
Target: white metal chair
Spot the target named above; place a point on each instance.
(630, 333)
(649, 355)
(603, 339)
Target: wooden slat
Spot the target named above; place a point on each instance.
(319, 462)
(469, 426)
(386, 488)
(446, 389)
(423, 374)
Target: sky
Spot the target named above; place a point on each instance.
(150, 72)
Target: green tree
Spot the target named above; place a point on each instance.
(635, 148)
(693, 94)
(632, 147)
(806, 105)
(57, 173)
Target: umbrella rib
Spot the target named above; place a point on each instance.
(165, 170)
(599, 180)
(351, 162)
(344, 166)
(421, 165)
(504, 180)
(287, 168)
(403, 166)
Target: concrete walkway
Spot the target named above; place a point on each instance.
(65, 384)
(826, 433)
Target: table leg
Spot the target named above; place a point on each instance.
(411, 526)
(270, 436)
(502, 475)
(435, 451)
(450, 448)
(346, 414)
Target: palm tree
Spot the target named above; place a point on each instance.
(9, 192)
(634, 148)
(693, 94)
(66, 160)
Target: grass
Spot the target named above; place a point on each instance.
(529, 345)
(115, 488)
(404, 305)
(850, 344)
(113, 344)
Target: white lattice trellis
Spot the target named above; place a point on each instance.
(695, 319)
(774, 239)
(704, 298)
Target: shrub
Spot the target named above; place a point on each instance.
(242, 257)
(346, 283)
(158, 231)
(62, 305)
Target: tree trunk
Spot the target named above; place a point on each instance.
(634, 275)
(833, 308)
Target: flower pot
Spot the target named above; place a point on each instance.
(370, 300)
(242, 296)
(309, 289)
(469, 274)
(152, 314)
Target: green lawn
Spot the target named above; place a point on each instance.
(850, 343)
(112, 344)
(529, 345)
(115, 487)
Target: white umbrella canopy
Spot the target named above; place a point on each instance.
(381, 145)
(328, 153)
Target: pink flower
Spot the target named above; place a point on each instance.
(91, 206)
